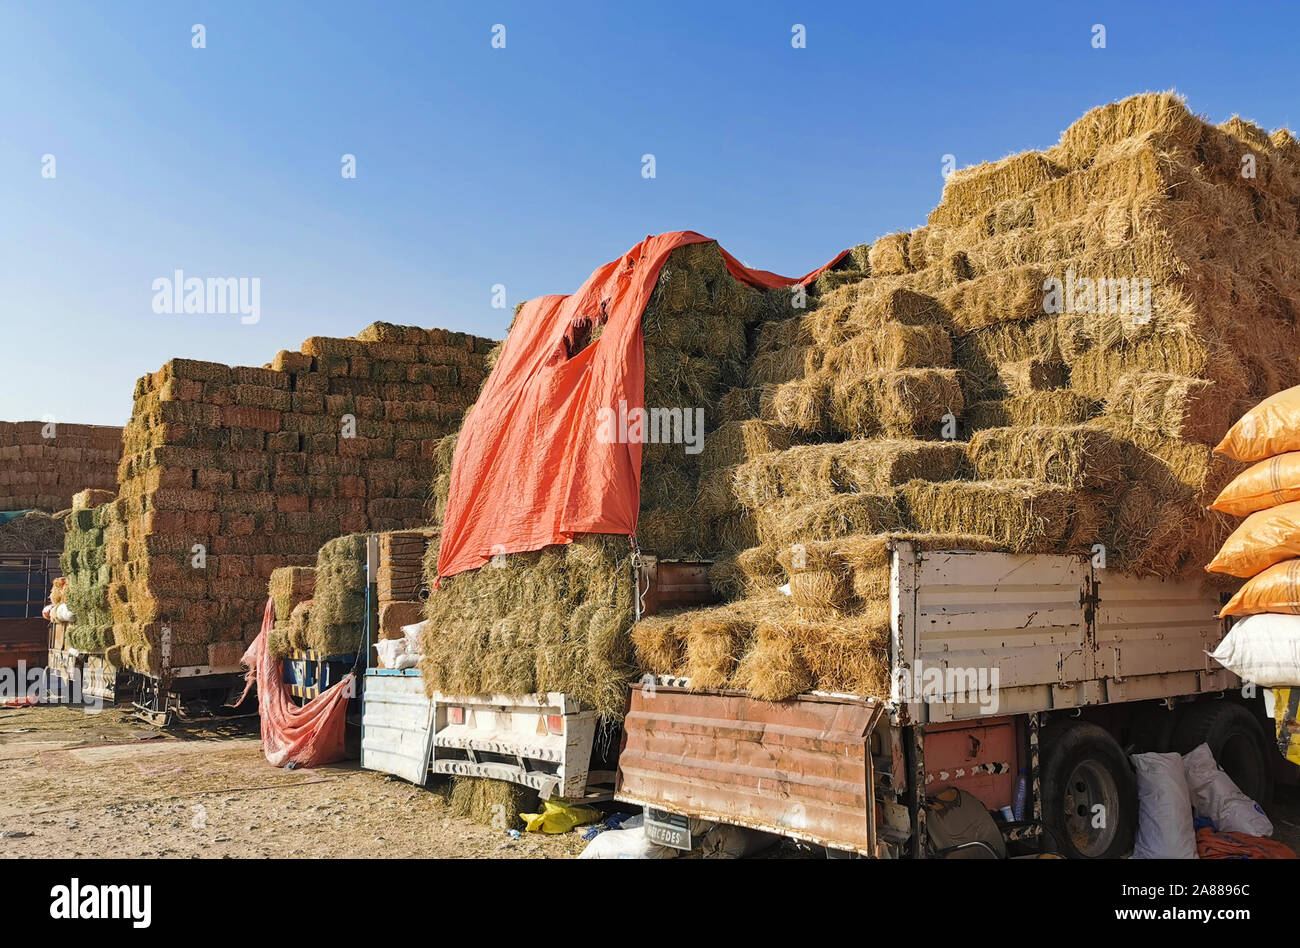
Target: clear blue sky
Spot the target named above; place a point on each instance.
(519, 166)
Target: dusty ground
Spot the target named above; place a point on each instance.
(106, 785)
(75, 784)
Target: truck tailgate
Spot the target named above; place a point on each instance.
(801, 768)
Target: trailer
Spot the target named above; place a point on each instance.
(1007, 671)
(25, 580)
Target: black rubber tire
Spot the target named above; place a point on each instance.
(1237, 741)
(1152, 730)
(1076, 757)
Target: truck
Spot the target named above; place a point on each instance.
(1025, 680)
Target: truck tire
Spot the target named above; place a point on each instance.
(1237, 741)
(1083, 768)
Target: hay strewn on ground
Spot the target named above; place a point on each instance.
(1041, 368)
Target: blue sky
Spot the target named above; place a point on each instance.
(519, 166)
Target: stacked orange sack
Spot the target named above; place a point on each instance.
(1265, 549)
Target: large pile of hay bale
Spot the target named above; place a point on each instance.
(42, 464)
(978, 385)
(1042, 367)
(558, 619)
(232, 472)
(85, 570)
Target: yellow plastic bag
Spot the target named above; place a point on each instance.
(1264, 538)
(1276, 589)
(558, 817)
(1271, 427)
(1268, 483)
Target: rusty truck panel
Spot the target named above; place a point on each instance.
(800, 768)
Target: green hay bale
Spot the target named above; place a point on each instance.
(338, 610)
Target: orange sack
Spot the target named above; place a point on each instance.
(1268, 483)
(1276, 589)
(1264, 538)
(1271, 427)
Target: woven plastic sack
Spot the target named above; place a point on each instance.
(1165, 824)
(1263, 649)
(1216, 798)
(1262, 539)
(1271, 427)
(1270, 482)
(1276, 589)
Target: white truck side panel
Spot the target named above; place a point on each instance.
(396, 720)
(977, 634)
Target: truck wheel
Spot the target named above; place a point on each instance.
(1084, 768)
(1237, 741)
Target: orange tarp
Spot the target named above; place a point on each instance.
(306, 736)
(529, 470)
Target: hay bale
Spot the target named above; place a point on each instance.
(1171, 406)
(87, 499)
(736, 442)
(1074, 456)
(1055, 408)
(801, 520)
(715, 640)
(659, 648)
(495, 803)
(773, 669)
(337, 616)
(889, 254)
(1023, 516)
(394, 615)
(288, 586)
(554, 620)
(799, 405)
(902, 404)
(844, 467)
(1029, 376)
(34, 532)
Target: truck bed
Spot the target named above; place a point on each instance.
(1045, 632)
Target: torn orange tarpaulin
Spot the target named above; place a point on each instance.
(306, 736)
(529, 471)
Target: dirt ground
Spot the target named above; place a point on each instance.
(106, 785)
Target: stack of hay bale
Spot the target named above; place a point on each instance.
(984, 382)
(400, 586)
(557, 619)
(290, 589)
(981, 388)
(85, 569)
(42, 473)
(232, 472)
